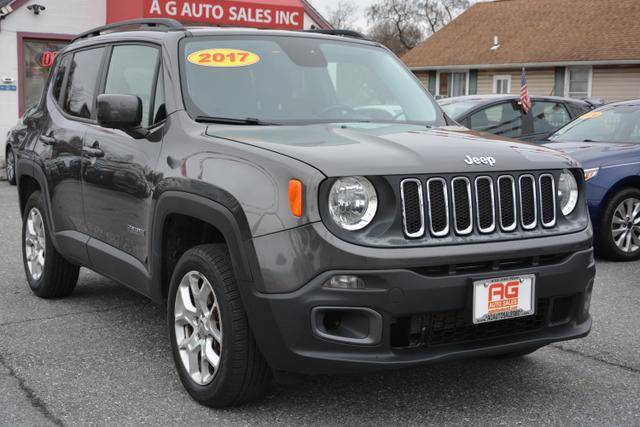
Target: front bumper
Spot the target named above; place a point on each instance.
(438, 300)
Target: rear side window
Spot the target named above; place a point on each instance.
(132, 70)
(81, 85)
(502, 119)
(549, 116)
(58, 79)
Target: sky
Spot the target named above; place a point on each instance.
(323, 5)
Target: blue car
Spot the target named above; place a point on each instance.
(607, 143)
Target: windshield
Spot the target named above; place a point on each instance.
(619, 123)
(297, 80)
(456, 109)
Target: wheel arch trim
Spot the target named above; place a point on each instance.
(172, 202)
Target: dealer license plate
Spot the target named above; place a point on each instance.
(503, 298)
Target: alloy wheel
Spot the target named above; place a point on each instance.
(625, 225)
(35, 243)
(198, 327)
(11, 165)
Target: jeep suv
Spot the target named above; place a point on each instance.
(298, 203)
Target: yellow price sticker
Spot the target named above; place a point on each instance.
(591, 115)
(223, 58)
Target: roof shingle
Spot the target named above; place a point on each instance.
(531, 31)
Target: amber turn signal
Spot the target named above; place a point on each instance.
(295, 197)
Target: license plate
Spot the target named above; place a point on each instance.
(503, 298)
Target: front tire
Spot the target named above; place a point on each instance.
(215, 353)
(11, 166)
(48, 273)
(618, 237)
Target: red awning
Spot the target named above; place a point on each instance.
(281, 14)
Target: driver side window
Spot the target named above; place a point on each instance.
(503, 119)
(132, 71)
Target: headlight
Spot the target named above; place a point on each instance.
(353, 202)
(567, 192)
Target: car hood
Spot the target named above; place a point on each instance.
(374, 149)
(594, 154)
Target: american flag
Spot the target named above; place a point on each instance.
(525, 101)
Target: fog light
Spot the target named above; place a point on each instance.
(345, 282)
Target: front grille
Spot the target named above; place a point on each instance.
(507, 203)
(438, 201)
(413, 207)
(456, 327)
(528, 205)
(485, 204)
(547, 200)
(449, 327)
(461, 196)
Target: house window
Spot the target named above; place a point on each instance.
(452, 83)
(37, 60)
(502, 84)
(578, 82)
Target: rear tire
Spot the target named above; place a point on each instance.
(49, 275)
(11, 166)
(618, 236)
(216, 356)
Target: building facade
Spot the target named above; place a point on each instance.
(572, 48)
(33, 31)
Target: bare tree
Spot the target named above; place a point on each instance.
(402, 24)
(343, 15)
(395, 19)
(438, 13)
(386, 33)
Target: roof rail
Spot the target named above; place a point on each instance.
(169, 24)
(343, 33)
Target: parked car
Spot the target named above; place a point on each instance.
(14, 136)
(286, 219)
(607, 142)
(502, 115)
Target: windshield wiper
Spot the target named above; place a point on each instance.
(250, 121)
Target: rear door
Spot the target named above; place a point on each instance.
(70, 107)
(118, 170)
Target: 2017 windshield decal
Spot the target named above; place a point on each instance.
(223, 58)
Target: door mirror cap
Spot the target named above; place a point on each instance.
(119, 111)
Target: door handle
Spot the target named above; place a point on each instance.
(48, 139)
(93, 151)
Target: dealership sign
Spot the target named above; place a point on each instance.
(228, 13)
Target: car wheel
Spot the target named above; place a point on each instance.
(48, 273)
(618, 236)
(214, 351)
(516, 354)
(11, 166)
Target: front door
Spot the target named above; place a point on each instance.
(118, 169)
(504, 119)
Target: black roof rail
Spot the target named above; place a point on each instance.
(169, 24)
(343, 33)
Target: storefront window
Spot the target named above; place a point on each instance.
(38, 60)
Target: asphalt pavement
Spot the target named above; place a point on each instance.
(102, 357)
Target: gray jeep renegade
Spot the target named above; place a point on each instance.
(298, 203)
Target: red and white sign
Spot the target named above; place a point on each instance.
(281, 15)
(503, 298)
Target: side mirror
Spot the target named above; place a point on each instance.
(123, 112)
